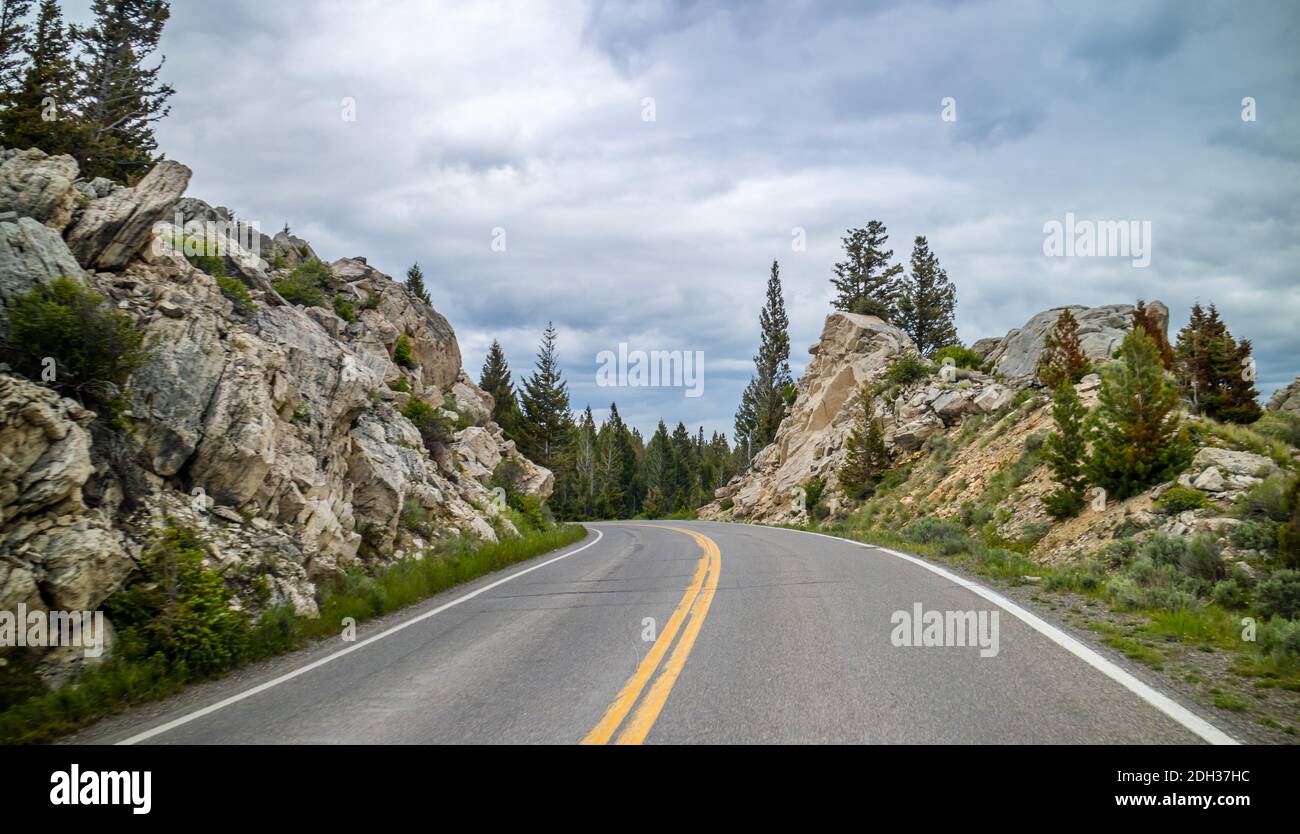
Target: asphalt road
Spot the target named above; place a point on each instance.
(681, 632)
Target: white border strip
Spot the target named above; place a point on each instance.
(1160, 701)
(248, 693)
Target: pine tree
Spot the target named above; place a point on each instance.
(658, 473)
(747, 444)
(1066, 453)
(927, 302)
(1137, 439)
(547, 423)
(13, 41)
(1063, 358)
(119, 98)
(772, 363)
(1212, 369)
(415, 283)
(495, 379)
(866, 458)
(1146, 318)
(584, 467)
(864, 281)
(49, 76)
(684, 471)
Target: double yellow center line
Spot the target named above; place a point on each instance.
(691, 611)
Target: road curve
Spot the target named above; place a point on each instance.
(651, 635)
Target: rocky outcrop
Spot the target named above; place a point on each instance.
(110, 232)
(274, 430)
(31, 255)
(1286, 399)
(1101, 329)
(810, 443)
(38, 186)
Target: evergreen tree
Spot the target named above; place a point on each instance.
(119, 98)
(864, 281)
(766, 396)
(13, 41)
(927, 302)
(747, 444)
(658, 469)
(547, 423)
(584, 468)
(415, 283)
(495, 379)
(1212, 369)
(683, 490)
(866, 458)
(48, 76)
(1063, 359)
(1137, 439)
(1066, 453)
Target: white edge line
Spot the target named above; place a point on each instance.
(247, 693)
(1155, 698)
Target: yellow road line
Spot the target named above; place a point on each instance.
(653, 703)
(626, 697)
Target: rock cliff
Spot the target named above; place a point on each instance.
(276, 429)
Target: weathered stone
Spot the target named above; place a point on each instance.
(38, 186)
(111, 231)
(1101, 329)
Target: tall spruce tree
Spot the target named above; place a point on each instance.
(585, 468)
(772, 363)
(415, 283)
(36, 112)
(495, 379)
(1213, 369)
(864, 281)
(1137, 437)
(119, 97)
(1066, 452)
(544, 401)
(927, 302)
(867, 458)
(1063, 359)
(13, 42)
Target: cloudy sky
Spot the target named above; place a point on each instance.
(771, 116)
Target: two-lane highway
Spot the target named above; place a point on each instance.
(683, 632)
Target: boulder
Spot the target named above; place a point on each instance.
(109, 232)
(1101, 329)
(1286, 399)
(31, 255)
(35, 185)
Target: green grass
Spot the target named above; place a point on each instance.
(121, 682)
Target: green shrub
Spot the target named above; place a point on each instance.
(530, 509)
(1279, 595)
(1279, 425)
(962, 356)
(415, 518)
(907, 367)
(1179, 498)
(401, 385)
(434, 428)
(178, 608)
(1202, 559)
(402, 352)
(344, 309)
(305, 285)
(812, 493)
(235, 291)
(1265, 500)
(94, 347)
(1281, 639)
(1084, 576)
(1231, 593)
(1254, 535)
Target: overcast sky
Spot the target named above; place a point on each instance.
(530, 117)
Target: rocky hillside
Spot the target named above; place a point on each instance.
(966, 449)
(276, 429)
